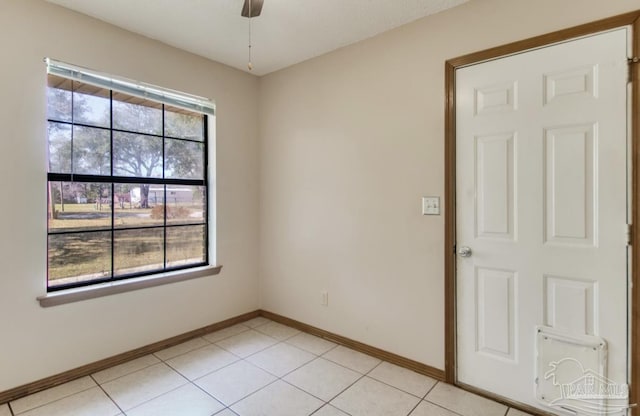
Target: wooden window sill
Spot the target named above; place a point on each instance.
(121, 286)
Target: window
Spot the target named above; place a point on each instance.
(127, 179)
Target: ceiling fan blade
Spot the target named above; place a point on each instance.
(254, 10)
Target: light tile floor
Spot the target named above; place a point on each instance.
(257, 368)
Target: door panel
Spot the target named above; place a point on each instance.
(570, 304)
(569, 189)
(541, 200)
(494, 186)
(496, 312)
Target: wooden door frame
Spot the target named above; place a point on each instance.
(627, 19)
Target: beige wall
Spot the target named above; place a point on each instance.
(37, 342)
(349, 142)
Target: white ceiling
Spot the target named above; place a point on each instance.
(287, 31)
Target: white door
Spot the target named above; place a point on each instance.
(542, 205)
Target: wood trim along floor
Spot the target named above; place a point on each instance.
(89, 369)
(85, 370)
(631, 18)
(358, 346)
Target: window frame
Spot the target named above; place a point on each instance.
(168, 273)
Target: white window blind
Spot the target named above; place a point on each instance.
(138, 89)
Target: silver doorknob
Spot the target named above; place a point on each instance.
(464, 251)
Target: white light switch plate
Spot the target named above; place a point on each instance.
(430, 205)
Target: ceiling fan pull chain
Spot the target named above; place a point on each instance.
(250, 65)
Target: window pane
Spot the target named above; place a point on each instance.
(185, 204)
(130, 209)
(137, 155)
(79, 257)
(136, 114)
(79, 206)
(185, 245)
(91, 150)
(138, 251)
(59, 98)
(101, 231)
(155, 195)
(59, 148)
(91, 105)
(184, 159)
(183, 124)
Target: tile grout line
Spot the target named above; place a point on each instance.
(239, 358)
(367, 375)
(344, 366)
(209, 343)
(306, 392)
(56, 400)
(221, 339)
(259, 325)
(163, 361)
(252, 393)
(311, 352)
(193, 382)
(423, 398)
(253, 353)
(297, 331)
(402, 390)
(160, 361)
(398, 388)
(343, 390)
(329, 404)
(414, 407)
(204, 375)
(430, 390)
(277, 378)
(132, 372)
(252, 364)
(282, 378)
(439, 405)
(167, 392)
(210, 395)
(363, 375)
(108, 395)
(154, 397)
(299, 388)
